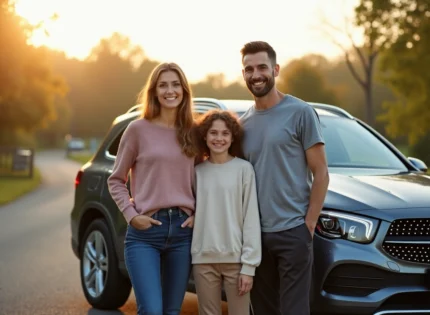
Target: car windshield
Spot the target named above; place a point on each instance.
(350, 145)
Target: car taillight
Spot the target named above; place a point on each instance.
(78, 178)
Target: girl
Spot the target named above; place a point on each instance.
(159, 151)
(226, 246)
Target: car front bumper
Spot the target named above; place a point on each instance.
(352, 278)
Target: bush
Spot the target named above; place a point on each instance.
(421, 150)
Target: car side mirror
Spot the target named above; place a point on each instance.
(418, 164)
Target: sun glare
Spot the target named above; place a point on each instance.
(201, 37)
(74, 30)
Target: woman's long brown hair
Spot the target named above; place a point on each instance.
(184, 116)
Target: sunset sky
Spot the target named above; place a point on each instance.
(201, 36)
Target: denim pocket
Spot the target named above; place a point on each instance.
(140, 230)
(183, 219)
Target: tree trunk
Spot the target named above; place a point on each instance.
(368, 89)
(370, 119)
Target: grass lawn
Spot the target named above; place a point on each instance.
(13, 188)
(80, 157)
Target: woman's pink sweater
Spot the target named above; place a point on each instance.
(161, 175)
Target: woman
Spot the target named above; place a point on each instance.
(226, 246)
(159, 151)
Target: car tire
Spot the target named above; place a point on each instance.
(104, 286)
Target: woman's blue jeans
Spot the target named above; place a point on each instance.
(158, 261)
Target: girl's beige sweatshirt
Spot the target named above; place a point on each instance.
(227, 223)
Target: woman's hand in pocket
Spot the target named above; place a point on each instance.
(189, 222)
(143, 222)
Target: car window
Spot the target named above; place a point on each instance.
(113, 148)
(348, 144)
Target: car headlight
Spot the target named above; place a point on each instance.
(350, 227)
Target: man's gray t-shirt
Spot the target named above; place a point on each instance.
(275, 142)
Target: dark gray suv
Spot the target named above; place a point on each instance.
(372, 243)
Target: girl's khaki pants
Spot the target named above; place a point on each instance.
(209, 279)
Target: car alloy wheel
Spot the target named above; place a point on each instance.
(95, 263)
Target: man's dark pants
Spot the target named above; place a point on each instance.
(282, 281)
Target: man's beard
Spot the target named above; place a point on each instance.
(270, 83)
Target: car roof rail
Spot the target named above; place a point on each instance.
(330, 108)
(134, 108)
(208, 100)
(333, 109)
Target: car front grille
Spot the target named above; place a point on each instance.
(409, 240)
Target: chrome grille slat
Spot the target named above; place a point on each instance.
(410, 227)
(409, 240)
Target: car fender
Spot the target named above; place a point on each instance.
(104, 212)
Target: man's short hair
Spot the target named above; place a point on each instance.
(259, 46)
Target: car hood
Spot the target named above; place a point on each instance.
(355, 192)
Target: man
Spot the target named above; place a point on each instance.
(283, 141)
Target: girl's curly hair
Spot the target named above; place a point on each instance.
(204, 123)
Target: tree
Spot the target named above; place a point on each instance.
(215, 85)
(372, 16)
(28, 87)
(54, 134)
(119, 45)
(349, 92)
(405, 67)
(304, 78)
(105, 85)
